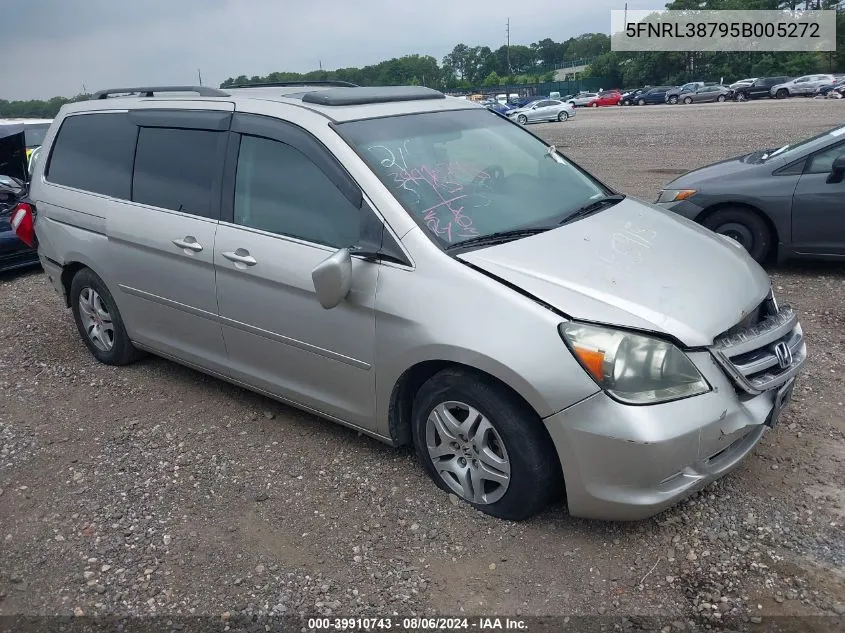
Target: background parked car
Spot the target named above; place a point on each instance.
(653, 95)
(582, 99)
(800, 86)
(838, 80)
(676, 94)
(13, 177)
(759, 89)
(542, 110)
(606, 98)
(788, 198)
(629, 97)
(708, 94)
(743, 82)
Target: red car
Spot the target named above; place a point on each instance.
(606, 98)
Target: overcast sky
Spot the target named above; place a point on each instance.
(53, 47)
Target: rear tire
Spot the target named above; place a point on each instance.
(562, 116)
(746, 227)
(783, 93)
(505, 437)
(688, 100)
(98, 320)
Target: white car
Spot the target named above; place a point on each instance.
(805, 85)
(542, 110)
(743, 83)
(582, 99)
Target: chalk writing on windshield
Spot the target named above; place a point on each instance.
(435, 190)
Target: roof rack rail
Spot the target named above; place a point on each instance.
(149, 91)
(286, 84)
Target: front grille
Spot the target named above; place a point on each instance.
(765, 350)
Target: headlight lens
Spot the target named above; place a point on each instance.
(632, 368)
(675, 195)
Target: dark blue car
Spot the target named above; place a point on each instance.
(653, 95)
(13, 176)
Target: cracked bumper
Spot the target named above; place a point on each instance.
(625, 462)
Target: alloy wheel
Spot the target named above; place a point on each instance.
(96, 319)
(467, 452)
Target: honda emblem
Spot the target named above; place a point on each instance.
(783, 354)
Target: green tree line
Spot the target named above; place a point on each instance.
(473, 67)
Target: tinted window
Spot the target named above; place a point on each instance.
(177, 169)
(279, 190)
(822, 162)
(94, 152)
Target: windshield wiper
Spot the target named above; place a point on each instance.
(499, 237)
(593, 207)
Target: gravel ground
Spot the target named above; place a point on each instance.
(153, 489)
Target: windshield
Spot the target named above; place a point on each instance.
(463, 174)
(792, 150)
(34, 134)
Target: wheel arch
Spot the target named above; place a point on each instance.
(69, 271)
(707, 212)
(400, 407)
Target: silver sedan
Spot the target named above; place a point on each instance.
(542, 110)
(707, 94)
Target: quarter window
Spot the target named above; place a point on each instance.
(822, 162)
(94, 152)
(177, 169)
(279, 190)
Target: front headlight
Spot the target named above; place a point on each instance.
(632, 368)
(675, 195)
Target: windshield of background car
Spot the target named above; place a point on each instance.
(790, 151)
(467, 173)
(34, 135)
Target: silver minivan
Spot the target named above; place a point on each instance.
(425, 271)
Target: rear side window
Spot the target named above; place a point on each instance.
(178, 169)
(94, 152)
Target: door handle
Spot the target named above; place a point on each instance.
(189, 243)
(240, 256)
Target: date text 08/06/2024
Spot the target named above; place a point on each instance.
(417, 624)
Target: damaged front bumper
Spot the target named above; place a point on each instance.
(623, 462)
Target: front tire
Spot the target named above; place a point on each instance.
(720, 98)
(746, 227)
(522, 119)
(98, 320)
(673, 99)
(742, 97)
(480, 442)
(641, 102)
(783, 93)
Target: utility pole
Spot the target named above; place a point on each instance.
(199, 75)
(508, 48)
(321, 64)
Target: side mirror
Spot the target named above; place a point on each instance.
(837, 171)
(333, 278)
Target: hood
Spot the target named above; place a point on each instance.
(637, 266)
(13, 151)
(730, 167)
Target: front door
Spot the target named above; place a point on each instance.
(818, 207)
(289, 208)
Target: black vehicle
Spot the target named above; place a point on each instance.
(653, 95)
(13, 187)
(629, 97)
(759, 89)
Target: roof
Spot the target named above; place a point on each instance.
(337, 103)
